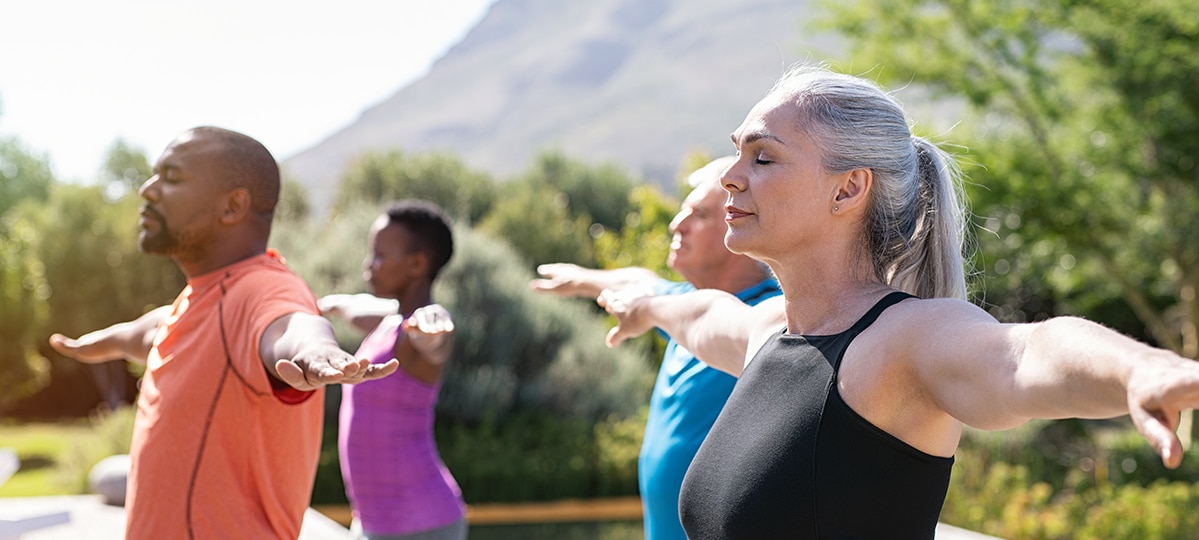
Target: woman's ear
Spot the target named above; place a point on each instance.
(852, 189)
(419, 265)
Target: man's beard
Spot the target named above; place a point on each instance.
(163, 242)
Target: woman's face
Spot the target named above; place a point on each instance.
(780, 196)
(391, 265)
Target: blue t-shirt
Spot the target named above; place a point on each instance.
(688, 396)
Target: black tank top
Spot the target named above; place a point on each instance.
(787, 458)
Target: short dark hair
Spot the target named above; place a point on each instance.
(430, 228)
(247, 164)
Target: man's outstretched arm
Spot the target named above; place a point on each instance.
(300, 350)
(129, 340)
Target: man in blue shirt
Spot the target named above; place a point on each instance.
(688, 395)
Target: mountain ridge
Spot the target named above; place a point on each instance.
(638, 83)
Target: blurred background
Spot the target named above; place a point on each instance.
(561, 132)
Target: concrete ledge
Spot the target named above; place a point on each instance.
(88, 517)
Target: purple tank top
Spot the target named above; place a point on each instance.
(394, 478)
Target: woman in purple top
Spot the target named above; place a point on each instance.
(396, 483)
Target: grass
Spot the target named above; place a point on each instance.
(55, 458)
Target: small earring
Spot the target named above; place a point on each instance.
(836, 208)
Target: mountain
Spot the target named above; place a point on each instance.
(640, 83)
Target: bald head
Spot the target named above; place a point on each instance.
(712, 172)
(245, 163)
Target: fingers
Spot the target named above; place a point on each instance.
(329, 303)
(294, 375)
(85, 349)
(1160, 435)
(604, 298)
(431, 319)
(378, 371)
(615, 337)
(557, 278)
(312, 375)
(63, 344)
(552, 270)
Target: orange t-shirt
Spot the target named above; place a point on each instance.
(216, 454)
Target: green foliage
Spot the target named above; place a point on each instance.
(56, 458)
(1071, 479)
(126, 167)
(329, 255)
(111, 433)
(530, 376)
(538, 224)
(644, 239)
(293, 202)
(82, 262)
(441, 178)
(24, 291)
(515, 350)
(40, 448)
(600, 192)
(22, 175)
(1086, 128)
(529, 456)
(556, 209)
(535, 457)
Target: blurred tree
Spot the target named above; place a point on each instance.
(553, 211)
(1088, 133)
(22, 175)
(329, 253)
(94, 277)
(644, 240)
(23, 291)
(536, 221)
(25, 181)
(125, 169)
(518, 351)
(514, 351)
(441, 178)
(599, 192)
(293, 204)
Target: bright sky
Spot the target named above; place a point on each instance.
(76, 75)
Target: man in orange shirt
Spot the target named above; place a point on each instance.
(228, 426)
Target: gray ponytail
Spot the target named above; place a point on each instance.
(933, 265)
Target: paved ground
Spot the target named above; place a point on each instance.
(86, 517)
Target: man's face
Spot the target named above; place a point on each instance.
(698, 229)
(181, 200)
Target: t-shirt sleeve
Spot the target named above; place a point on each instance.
(263, 297)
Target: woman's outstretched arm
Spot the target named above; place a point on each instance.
(714, 325)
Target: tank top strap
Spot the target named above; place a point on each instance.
(840, 342)
(880, 306)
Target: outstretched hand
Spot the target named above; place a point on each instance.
(625, 306)
(563, 279)
(314, 367)
(430, 330)
(89, 348)
(1157, 395)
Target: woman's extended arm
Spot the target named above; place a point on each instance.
(363, 311)
(994, 375)
(714, 325)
